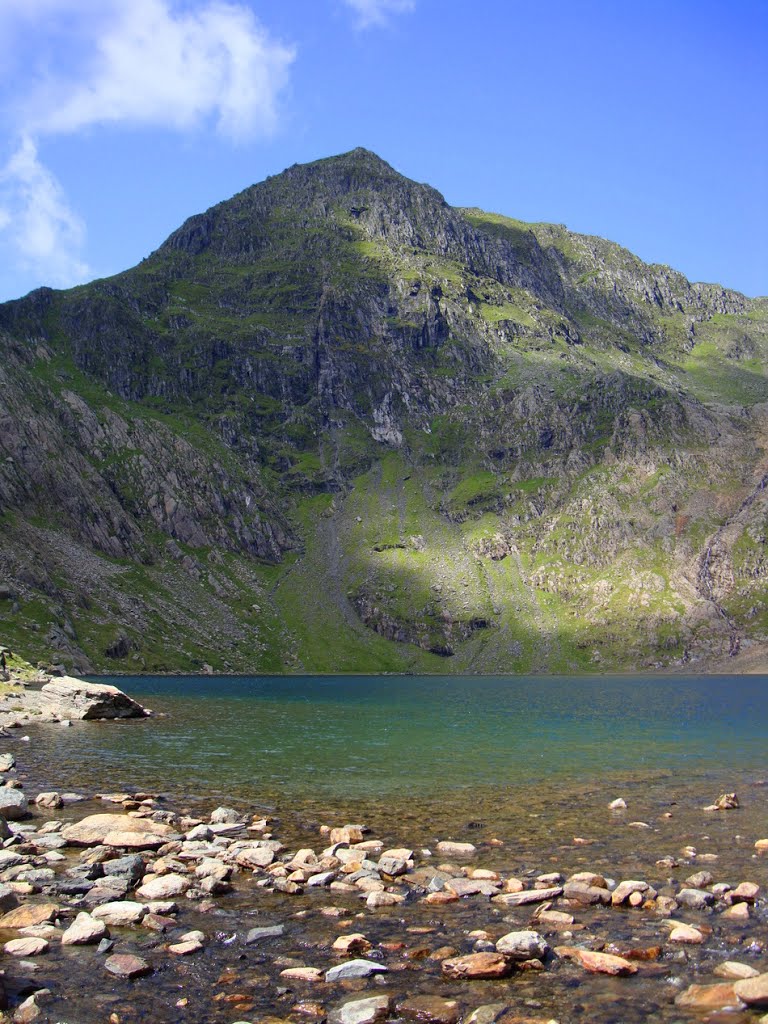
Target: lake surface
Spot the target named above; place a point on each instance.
(410, 737)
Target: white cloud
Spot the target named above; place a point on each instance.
(45, 233)
(176, 64)
(153, 65)
(376, 12)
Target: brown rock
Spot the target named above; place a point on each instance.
(709, 997)
(91, 831)
(738, 912)
(122, 965)
(310, 974)
(353, 943)
(734, 971)
(753, 991)
(441, 897)
(477, 965)
(432, 1009)
(185, 948)
(31, 914)
(687, 934)
(26, 947)
(597, 963)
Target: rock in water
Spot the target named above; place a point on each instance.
(72, 698)
(13, 804)
(126, 966)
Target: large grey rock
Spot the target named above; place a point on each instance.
(13, 804)
(71, 698)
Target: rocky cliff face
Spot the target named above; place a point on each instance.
(334, 423)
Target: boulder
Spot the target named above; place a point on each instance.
(523, 945)
(721, 996)
(164, 887)
(354, 969)
(84, 930)
(431, 1009)
(71, 698)
(29, 914)
(93, 830)
(362, 1011)
(477, 965)
(597, 963)
(120, 913)
(13, 804)
(753, 991)
(126, 966)
(26, 947)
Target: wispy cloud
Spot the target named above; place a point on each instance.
(171, 64)
(46, 235)
(377, 12)
(156, 66)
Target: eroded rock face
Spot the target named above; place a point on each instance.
(71, 698)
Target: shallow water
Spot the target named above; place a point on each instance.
(527, 763)
(407, 736)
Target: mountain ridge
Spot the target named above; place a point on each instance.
(335, 406)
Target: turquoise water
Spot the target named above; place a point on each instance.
(380, 735)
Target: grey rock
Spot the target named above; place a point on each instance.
(354, 969)
(362, 1011)
(274, 931)
(13, 804)
(523, 945)
(695, 899)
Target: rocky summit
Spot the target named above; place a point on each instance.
(334, 424)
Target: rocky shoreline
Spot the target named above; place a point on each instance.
(120, 906)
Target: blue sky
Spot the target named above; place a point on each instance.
(645, 123)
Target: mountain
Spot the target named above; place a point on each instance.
(334, 424)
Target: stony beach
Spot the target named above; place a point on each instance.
(134, 905)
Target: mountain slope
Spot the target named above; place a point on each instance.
(335, 424)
